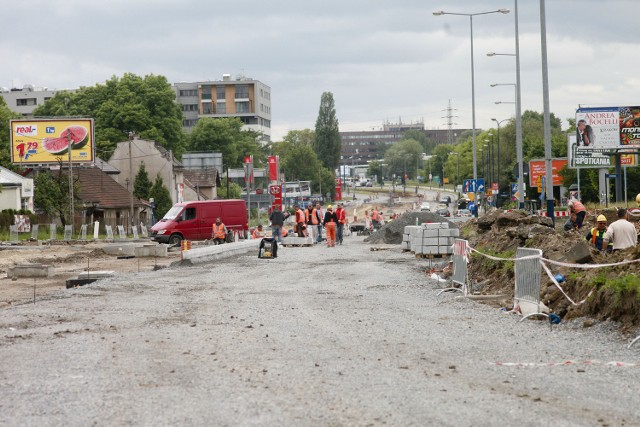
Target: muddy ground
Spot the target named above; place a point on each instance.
(68, 260)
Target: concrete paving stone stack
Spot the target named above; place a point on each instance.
(432, 238)
(406, 236)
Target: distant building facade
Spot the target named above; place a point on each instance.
(24, 101)
(157, 161)
(241, 97)
(360, 147)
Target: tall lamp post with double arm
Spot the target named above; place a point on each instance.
(473, 89)
(518, 87)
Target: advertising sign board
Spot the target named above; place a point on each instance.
(600, 132)
(537, 168)
(47, 141)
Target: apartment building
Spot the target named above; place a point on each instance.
(24, 101)
(241, 97)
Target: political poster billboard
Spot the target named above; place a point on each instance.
(48, 141)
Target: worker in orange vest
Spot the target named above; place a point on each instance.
(342, 220)
(375, 220)
(219, 232)
(310, 216)
(300, 226)
(258, 232)
(330, 222)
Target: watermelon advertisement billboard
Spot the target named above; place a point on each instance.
(47, 141)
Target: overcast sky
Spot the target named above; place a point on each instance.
(382, 60)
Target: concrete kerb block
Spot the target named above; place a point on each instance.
(151, 250)
(30, 270)
(212, 253)
(120, 249)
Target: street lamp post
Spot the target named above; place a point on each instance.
(518, 87)
(473, 89)
(458, 168)
(498, 122)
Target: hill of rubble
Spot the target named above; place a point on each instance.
(610, 293)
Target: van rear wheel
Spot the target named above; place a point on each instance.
(175, 240)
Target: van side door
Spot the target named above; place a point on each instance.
(188, 224)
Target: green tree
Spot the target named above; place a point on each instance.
(5, 145)
(235, 191)
(298, 161)
(161, 197)
(375, 169)
(142, 183)
(225, 135)
(426, 143)
(327, 143)
(51, 194)
(145, 105)
(404, 156)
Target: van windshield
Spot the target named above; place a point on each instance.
(173, 213)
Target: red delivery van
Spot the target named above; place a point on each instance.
(194, 220)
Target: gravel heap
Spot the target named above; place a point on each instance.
(391, 233)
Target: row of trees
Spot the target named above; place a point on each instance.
(146, 106)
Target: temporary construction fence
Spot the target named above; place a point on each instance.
(460, 261)
(528, 272)
(529, 264)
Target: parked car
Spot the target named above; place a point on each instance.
(444, 212)
(425, 207)
(194, 220)
(464, 213)
(445, 200)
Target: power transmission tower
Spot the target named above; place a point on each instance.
(450, 123)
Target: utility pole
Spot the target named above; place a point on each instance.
(131, 135)
(71, 207)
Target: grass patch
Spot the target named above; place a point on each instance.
(490, 265)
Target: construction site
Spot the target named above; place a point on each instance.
(361, 333)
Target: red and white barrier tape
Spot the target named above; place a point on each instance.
(558, 263)
(570, 363)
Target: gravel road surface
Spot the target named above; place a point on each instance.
(318, 336)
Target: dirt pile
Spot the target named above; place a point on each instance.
(391, 233)
(611, 293)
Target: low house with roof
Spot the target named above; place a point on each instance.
(103, 199)
(16, 191)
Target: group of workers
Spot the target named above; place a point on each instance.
(310, 221)
(620, 234)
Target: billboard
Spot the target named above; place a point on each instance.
(607, 128)
(537, 169)
(47, 141)
(582, 158)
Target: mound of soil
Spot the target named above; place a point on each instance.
(610, 293)
(391, 232)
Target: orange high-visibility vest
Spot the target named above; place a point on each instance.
(342, 216)
(299, 216)
(374, 215)
(218, 231)
(314, 216)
